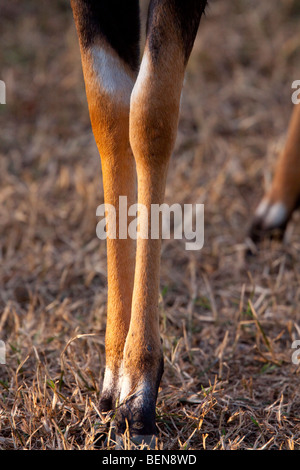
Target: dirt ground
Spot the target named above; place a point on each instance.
(229, 313)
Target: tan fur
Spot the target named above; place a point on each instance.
(286, 183)
(275, 209)
(110, 123)
(135, 128)
(153, 125)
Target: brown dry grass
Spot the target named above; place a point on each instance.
(227, 320)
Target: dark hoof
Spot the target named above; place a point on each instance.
(259, 232)
(105, 404)
(137, 415)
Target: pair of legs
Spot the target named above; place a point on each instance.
(275, 210)
(134, 115)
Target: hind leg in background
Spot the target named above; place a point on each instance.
(274, 211)
(108, 32)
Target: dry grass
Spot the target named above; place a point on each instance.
(227, 319)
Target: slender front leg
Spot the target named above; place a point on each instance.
(276, 208)
(154, 109)
(108, 32)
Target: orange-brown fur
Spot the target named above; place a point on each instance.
(274, 211)
(152, 135)
(286, 183)
(135, 129)
(110, 123)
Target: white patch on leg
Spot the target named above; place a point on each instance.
(276, 215)
(272, 214)
(141, 392)
(111, 74)
(126, 388)
(262, 208)
(144, 73)
(108, 381)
